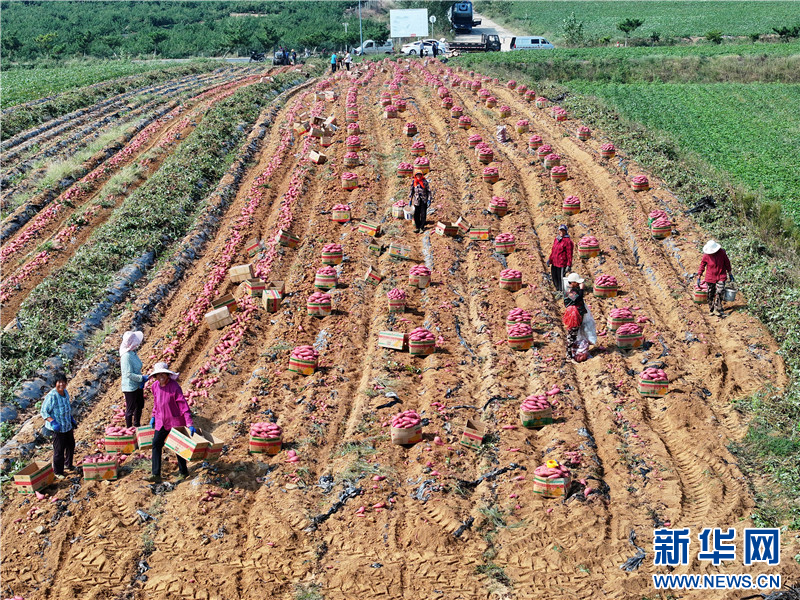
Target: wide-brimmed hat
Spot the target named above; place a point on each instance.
(574, 278)
(711, 247)
(162, 367)
(131, 340)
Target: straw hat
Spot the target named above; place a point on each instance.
(163, 368)
(711, 247)
(574, 278)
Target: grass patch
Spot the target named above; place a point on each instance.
(308, 591)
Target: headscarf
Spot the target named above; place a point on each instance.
(419, 179)
(130, 341)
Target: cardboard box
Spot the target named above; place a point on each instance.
(188, 446)
(123, 444)
(536, 418)
(240, 273)
(270, 300)
(34, 477)
(317, 157)
(551, 488)
(253, 247)
(254, 287)
(477, 234)
(103, 471)
(399, 251)
(394, 340)
(375, 248)
(144, 437)
(219, 318)
(407, 435)
(277, 285)
(227, 301)
(473, 433)
(340, 216)
(303, 367)
(373, 276)
(330, 121)
(370, 228)
(214, 450)
(463, 226)
(288, 239)
(316, 131)
(265, 445)
(448, 229)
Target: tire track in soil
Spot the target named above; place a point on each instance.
(651, 256)
(178, 127)
(695, 494)
(597, 409)
(514, 184)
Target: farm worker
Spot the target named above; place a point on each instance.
(294, 57)
(333, 62)
(347, 60)
(169, 410)
(419, 198)
(435, 49)
(573, 297)
(57, 412)
(132, 379)
(560, 257)
(717, 268)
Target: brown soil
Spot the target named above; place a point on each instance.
(662, 459)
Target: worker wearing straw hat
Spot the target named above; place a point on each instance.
(573, 296)
(717, 268)
(132, 379)
(420, 197)
(169, 410)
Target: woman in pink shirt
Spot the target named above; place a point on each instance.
(169, 410)
(717, 268)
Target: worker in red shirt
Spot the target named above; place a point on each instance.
(717, 268)
(560, 261)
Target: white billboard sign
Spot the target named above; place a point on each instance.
(409, 22)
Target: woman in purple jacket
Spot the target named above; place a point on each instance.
(169, 410)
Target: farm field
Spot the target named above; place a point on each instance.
(670, 19)
(749, 131)
(219, 163)
(22, 85)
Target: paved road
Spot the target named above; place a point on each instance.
(487, 27)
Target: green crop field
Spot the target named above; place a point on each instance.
(749, 131)
(22, 85)
(669, 19)
(639, 52)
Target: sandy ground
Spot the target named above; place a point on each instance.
(649, 461)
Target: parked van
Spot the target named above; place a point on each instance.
(526, 43)
(373, 47)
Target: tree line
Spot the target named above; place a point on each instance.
(34, 30)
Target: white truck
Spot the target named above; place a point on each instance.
(373, 47)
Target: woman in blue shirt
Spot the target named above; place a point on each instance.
(57, 413)
(333, 62)
(132, 379)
